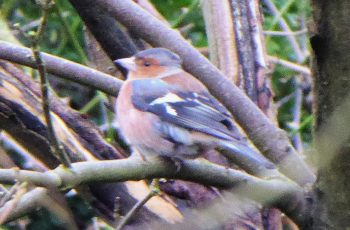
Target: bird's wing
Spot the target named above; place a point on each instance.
(196, 111)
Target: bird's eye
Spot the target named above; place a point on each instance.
(147, 64)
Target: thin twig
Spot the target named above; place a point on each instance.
(307, 121)
(58, 148)
(290, 65)
(183, 16)
(26, 203)
(284, 100)
(285, 27)
(280, 14)
(297, 109)
(3, 192)
(116, 209)
(22, 189)
(283, 33)
(154, 191)
(9, 193)
(99, 97)
(70, 33)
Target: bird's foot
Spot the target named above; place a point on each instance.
(177, 162)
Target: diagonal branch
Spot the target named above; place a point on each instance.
(62, 67)
(58, 148)
(271, 140)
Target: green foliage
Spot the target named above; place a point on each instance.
(182, 14)
(296, 13)
(55, 39)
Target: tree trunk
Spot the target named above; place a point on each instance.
(331, 46)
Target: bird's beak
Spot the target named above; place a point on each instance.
(127, 63)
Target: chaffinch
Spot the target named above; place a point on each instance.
(163, 110)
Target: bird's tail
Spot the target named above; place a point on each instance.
(246, 157)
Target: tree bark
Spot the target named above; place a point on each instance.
(330, 43)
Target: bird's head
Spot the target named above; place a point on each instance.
(151, 63)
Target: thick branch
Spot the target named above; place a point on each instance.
(221, 38)
(137, 169)
(274, 192)
(62, 67)
(331, 72)
(272, 141)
